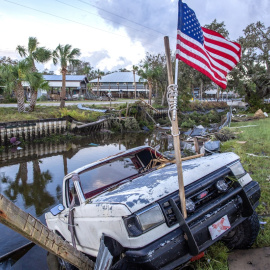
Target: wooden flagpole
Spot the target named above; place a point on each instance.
(175, 133)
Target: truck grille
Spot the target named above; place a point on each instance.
(200, 193)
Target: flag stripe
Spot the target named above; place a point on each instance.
(221, 51)
(201, 69)
(217, 36)
(221, 43)
(204, 62)
(197, 49)
(222, 61)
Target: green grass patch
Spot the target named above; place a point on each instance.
(45, 112)
(257, 138)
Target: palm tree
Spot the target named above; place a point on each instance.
(135, 69)
(36, 81)
(34, 53)
(99, 74)
(13, 76)
(65, 55)
(150, 74)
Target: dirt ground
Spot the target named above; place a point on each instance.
(250, 259)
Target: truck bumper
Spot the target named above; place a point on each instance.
(172, 249)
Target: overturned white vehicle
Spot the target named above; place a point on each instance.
(136, 212)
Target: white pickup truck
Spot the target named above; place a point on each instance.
(131, 202)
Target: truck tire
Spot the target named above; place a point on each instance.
(244, 235)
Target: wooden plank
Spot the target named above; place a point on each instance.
(32, 229)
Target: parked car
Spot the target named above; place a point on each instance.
(77, 96)
(130, 203)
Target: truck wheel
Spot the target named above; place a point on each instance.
(244, 235)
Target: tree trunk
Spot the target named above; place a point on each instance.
(201, 90)
(63, 90)
(33, 101)
(150, 92)
(135, 85)
(217, 93)
(98, 87)
(163, 97)
(20, 97)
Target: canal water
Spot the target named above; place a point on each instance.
(31, 177)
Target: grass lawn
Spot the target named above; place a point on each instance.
(44, 112)
(255, 157)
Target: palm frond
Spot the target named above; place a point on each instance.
(42, 54)
(32, 44)
(21, 50)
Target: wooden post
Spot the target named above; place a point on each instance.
(176, 138)
(196, 145)
(127, 109)
(32, 229)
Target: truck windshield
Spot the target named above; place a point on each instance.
(96, 179)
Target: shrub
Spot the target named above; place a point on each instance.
(80, 115)
(131, 124)
(43, 98)
(188, 123)
(116, 126)
(133, 111)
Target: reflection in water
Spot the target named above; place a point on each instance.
(34, 194)
(32, 178)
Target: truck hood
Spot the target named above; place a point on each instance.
(151, 187)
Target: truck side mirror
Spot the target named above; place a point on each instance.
(57, 209)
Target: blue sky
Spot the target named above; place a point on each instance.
(114, 34)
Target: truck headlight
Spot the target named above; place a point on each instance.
(237, 169)
(221, 185)
(144, 221)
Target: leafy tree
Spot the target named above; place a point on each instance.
(36, 81)
(33, 53)
(150, 73)
(218, 27)
(13, 76)
(47, 72)
(123, 70)
(80, 68)
(253, 74)
(7, 60)
(65, 55)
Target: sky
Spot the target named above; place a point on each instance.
(113, 34)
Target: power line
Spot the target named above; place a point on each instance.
(63, 18)
(105, 18)
(44, 12)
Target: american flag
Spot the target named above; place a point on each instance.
(205, 50)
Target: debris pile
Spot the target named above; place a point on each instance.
(260, 114)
